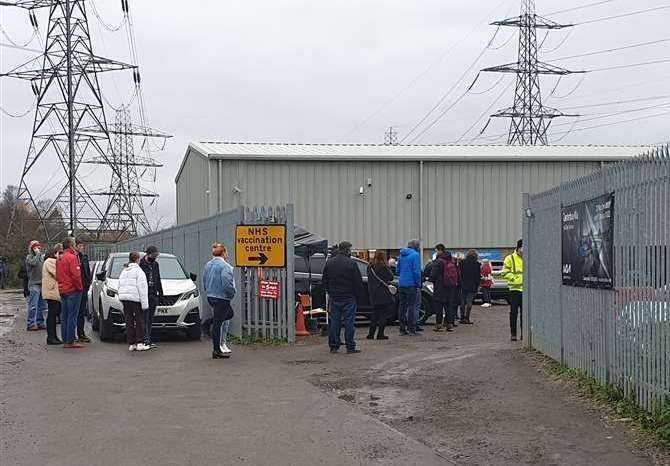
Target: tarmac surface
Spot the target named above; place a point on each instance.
(468, 397)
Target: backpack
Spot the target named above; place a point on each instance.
(450, 275)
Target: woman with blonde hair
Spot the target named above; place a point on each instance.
(50, 293)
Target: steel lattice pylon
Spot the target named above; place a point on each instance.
(70, 129)
(530, 118)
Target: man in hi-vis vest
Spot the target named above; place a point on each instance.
(513, 272)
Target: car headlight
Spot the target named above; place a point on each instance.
(111, 293)
(190, 294)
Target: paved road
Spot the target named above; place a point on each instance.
(463, 398)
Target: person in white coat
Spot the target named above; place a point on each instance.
(134, 295)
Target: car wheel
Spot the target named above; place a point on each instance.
(106, 332)
(194, 332)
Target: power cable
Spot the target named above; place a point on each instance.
(22, 114)
(486, 112)
(419, 76)
(589, 5)
(615, 49)
(633, 65)
(502, 76)
(621, 122)
(14, 43)
(619, 102)
(446, 94)
(104, 24)
(20, 47)
(623, 112)
(579, 83)
(562, 43)
(568, 132)
(624, 15)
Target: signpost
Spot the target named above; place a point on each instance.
(260, 246)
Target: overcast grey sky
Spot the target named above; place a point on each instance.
(345, 70)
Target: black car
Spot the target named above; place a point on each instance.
(317, 263)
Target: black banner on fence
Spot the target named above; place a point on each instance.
(587, 243)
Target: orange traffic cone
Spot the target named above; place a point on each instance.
(300, 330)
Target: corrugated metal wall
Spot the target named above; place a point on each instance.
(465, 204)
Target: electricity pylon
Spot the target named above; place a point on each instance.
(530, 118)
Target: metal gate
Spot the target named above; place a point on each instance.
(621, 336)
(191, 243)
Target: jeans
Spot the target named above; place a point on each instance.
(340, 311)
(220, 308)
(486, 295)
(515, 311)
(445, 312)
(68, 318)
(417, 308)
(36, 307)
(467, 298)
(134, 316)
(54, 310)
(149, 318)
(407, 308)
(81, 317)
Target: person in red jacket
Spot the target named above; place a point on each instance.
(487, 282)
(70, 288)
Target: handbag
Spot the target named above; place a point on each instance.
(392, 289)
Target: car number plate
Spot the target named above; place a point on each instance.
(162, 310)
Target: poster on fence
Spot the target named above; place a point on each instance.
(587, 230)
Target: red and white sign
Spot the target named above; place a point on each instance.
(268, 289)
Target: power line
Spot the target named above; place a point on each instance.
(615, 49)
(624, 15)
(104, 24)
(633, 65)
(619, 102)
(480, 117)
(620, 122)
(20, 47)
(579, 83)
(589, 5)
(423, 73)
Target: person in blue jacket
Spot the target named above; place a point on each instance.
(219, 282)
(409, 270)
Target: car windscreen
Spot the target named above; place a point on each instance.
(170, 268)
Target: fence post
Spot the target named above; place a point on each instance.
(290, 280)
(527, 270)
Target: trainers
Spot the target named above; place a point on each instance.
(225, 349)
(370, 337)
(142, 347)
(219, 355)
(403, 333)
(132, 348)
(334, 350)
(353, 351)
(84, 339)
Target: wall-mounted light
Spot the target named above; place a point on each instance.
(369, 182)
(529, 213)
(236, 190)
(409, 196)
(361, 191)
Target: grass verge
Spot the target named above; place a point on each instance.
(655, 423)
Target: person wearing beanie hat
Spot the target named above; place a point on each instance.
(36, 305)
(513, 272)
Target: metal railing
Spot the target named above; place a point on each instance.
(620, 336)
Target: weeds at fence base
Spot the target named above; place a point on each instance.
(249, 340)
(656, 423)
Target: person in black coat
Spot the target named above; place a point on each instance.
(380, 277)
(86, 279)
(445, 289)
(344, 285)
(471, 271)
(149, 265)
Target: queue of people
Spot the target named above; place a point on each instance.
(456, 283)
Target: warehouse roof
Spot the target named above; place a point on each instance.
(428, 153)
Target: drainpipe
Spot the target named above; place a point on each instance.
(421, 209)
